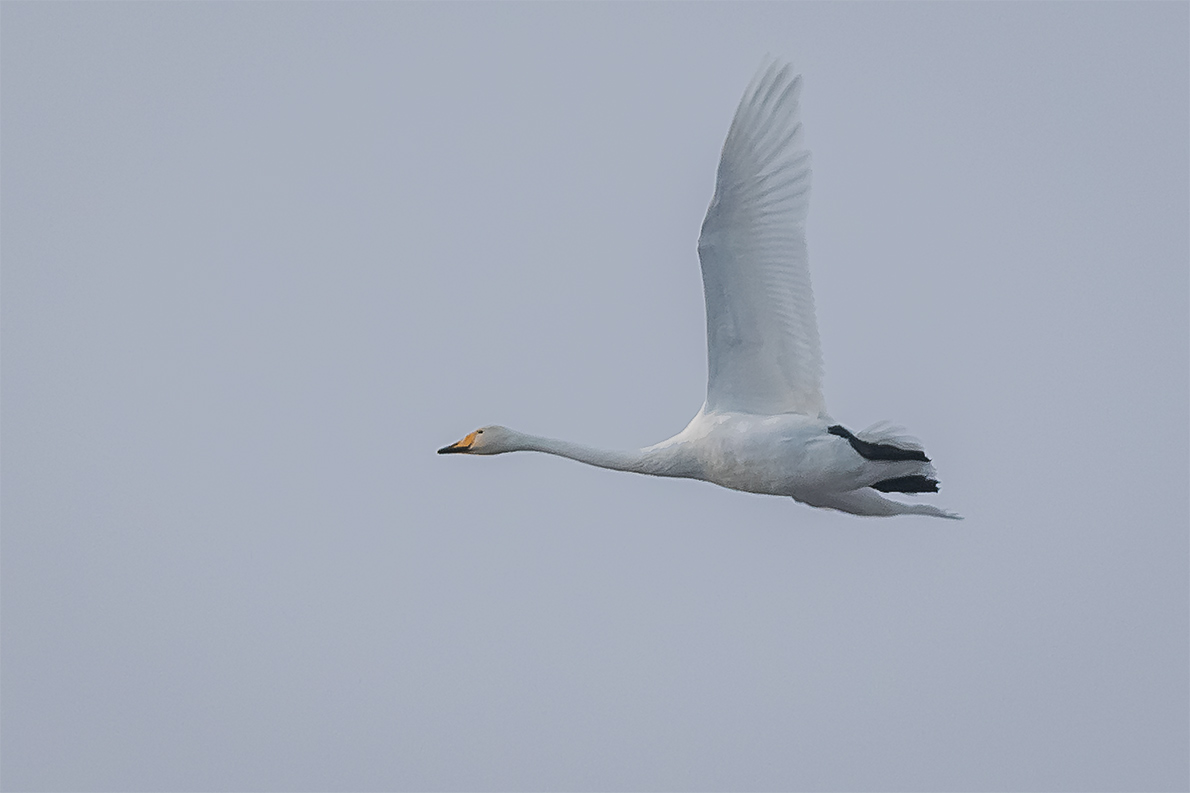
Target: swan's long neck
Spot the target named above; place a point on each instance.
(640, 461)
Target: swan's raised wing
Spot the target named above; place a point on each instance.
(762, 337)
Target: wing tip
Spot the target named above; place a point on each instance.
(767, 120)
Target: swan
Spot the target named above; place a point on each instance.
(764, 426)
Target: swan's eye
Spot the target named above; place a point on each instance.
(479, 432)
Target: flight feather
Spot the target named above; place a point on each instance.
(763, 351)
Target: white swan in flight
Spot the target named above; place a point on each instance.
(764, 426)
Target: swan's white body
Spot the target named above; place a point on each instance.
(764, 426)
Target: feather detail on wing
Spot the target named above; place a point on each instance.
(763, 351)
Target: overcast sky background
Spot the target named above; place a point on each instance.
(261, 260)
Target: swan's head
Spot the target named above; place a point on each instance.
(485, 440)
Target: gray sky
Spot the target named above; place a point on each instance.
(261, 260)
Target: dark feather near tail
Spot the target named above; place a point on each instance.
(908, 484)
(879, 451)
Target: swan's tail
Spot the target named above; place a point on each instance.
(887, 444)
(898, 465)
(882, 443)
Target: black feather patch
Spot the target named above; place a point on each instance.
(878, 451)
(908, 484)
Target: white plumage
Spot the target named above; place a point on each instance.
(764, 427)
(762, 336)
